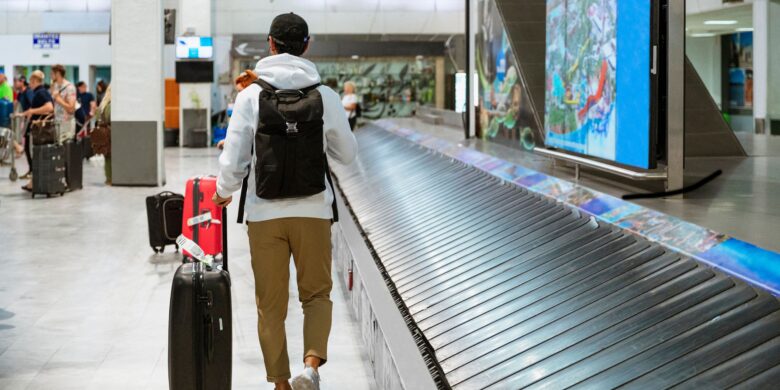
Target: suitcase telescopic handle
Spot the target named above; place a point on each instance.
(224, 239)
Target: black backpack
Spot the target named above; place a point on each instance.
(291, 161)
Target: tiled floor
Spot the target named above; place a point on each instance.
(84, 303)
(744, 202)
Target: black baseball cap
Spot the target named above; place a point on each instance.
(289, 29)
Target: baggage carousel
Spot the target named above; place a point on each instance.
(503, 288)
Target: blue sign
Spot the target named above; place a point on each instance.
(46, 41)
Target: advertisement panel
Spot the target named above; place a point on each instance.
(504, 112)
(598, 79)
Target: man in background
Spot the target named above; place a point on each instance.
(63, 93)
(24, 94)
(40, 107)
(88, 106)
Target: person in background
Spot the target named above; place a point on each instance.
(350, 103)
(104, 117)
(100, 90)
(64, 95)
(24, 96)
(88, 106)
(6, 92)
(242, 81)
(41, 106)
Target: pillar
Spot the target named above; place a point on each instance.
(773, 98)
(194, 17)
(137, 93)
(441, 75)
(760, 63)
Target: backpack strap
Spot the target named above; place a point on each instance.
(334, 206)
(244, 185)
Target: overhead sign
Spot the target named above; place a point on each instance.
(46, 41)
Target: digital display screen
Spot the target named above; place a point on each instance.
(194, 47)
(598, 79)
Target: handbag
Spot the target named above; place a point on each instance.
(101, 139)
(44, 131)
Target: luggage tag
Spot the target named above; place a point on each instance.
(195, 250)
(203, 218)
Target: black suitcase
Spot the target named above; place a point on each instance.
(200, 337)
(48, 167)
(164, 213)
(74, 165)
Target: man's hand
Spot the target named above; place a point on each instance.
(220, 201)
(27, 114)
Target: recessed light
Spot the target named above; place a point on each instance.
(720, 22)
(702, 35)
(745, 29)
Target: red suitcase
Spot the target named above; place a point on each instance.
(202, 219)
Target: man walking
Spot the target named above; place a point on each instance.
(279, 129)
(64, 95)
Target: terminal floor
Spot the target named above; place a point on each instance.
(84, 302)
(744, 202)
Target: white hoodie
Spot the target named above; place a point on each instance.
(283, 71)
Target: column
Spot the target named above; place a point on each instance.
(195, 18)
(137, 93)
(441, 74)
(773, 99)
(760, 63)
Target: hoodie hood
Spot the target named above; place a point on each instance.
(285, 71)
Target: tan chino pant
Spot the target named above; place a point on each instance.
(271, 244)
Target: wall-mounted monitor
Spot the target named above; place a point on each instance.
(194, 48)
(194, 71)
(601, 97)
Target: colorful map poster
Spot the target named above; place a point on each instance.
(597, 100)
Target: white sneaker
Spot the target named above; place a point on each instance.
(307, 380)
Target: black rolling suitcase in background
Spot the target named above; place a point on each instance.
(164, 213)
(200, 336)
(48, 166)
(74, 164)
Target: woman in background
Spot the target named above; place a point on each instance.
(104, 124)
(350, 103)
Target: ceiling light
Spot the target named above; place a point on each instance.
(702, 35)
(720, 22)
(745, 29)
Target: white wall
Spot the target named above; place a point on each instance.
(345, 16)
(80, 50)
(15, 22)
(705, 53)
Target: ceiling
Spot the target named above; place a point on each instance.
(743, 15)
(55, 5)
(341, 5)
